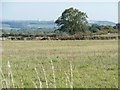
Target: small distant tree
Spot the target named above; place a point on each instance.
(108, 27)
(94, 28)
(72, 21)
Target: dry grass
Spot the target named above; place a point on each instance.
(58, 64)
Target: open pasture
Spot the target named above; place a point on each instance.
(60, 64)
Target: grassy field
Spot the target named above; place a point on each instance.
(61, 64)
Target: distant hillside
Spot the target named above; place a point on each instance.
(44, 24)
(101, 22)
(30, 24)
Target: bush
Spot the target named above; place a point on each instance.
(100, 32)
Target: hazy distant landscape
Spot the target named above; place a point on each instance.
(35, 26)
(43, 24)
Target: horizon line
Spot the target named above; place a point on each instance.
(51, 20)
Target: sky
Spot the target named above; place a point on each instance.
(102, 11)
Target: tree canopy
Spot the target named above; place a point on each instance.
(72, 21)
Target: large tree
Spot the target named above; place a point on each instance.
(72, 21)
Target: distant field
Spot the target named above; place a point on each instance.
(71, 63)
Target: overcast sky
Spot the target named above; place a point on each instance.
(52, 10)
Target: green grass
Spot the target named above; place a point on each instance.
(94, 63)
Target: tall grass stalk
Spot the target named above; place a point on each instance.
(2, 86)
(22, 85)
(10, 74)
(45, 76)
(66, 82)
(53, 73)
(3, 83)
(38, 78)
(34, 84)
(2, 76)
(67, 79)
(71, 73)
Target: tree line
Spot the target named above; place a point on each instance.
(72, 24)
